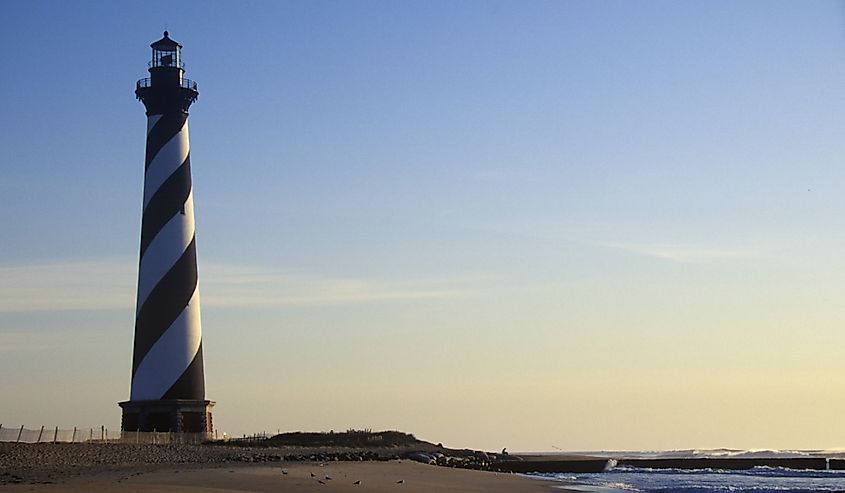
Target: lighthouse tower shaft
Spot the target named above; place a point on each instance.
(168, 383)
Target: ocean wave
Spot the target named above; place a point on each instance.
(753, 454)
(716, 453)
(756, 480)
(758, 471)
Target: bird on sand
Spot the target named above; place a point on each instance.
(313, 475)
(321, 482)
(284, 472)
(357, 482)
(329, 478)
(401, 481)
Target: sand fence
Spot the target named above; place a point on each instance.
(44, 434)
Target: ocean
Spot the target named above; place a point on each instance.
(757, 480)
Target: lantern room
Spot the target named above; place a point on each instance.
(166, 67)
(166, 53)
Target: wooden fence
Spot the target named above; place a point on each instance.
(102, 434)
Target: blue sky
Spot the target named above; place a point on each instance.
(527, 224)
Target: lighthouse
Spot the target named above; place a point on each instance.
(168, 383)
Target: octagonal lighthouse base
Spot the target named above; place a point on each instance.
(175, 415)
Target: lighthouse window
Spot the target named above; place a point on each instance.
(166, 59)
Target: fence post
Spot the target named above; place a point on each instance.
(40, 433)
(102, 432)
(55, 434)
(20, 433)
(90, 434)
(73, 437)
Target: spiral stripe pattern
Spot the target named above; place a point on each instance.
(167, 360)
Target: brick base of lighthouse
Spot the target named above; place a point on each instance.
(177, 415)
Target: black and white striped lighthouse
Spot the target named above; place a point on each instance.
(168, 383)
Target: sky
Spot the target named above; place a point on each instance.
(603, 225)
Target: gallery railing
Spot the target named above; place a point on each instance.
(186, 83)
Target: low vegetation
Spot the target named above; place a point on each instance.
(348, 438)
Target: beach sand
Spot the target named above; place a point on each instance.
(374, 477)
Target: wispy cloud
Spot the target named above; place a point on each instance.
(76, 285)
(16, 341)
(244, 285)
(679, 252)
(110, 284)
(584, 233)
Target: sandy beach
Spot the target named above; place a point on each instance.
(377, 477)
(129, 468)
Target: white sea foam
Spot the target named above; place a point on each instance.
(756, 480)
(702, 453)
